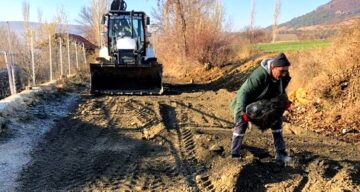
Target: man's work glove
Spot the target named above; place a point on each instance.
(288, 105)
(245, 118)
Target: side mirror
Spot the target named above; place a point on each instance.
(103, 19)
(147, 20)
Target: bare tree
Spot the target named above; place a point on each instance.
(190, 31)
(9, 43)
(275, 19)
(177, 7)
(26, 17)
(180, 19)
(98, 9)
(40, 15)
(91, 17)
(251, 21)
(3, 45)
(85, 19)
(25, 58)
(41, 30)
(61, 18)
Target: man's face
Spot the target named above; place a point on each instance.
(278, 72)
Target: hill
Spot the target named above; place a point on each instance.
(333, 12)
(18, 27)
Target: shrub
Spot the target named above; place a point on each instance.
(190, 33)
(331, 77)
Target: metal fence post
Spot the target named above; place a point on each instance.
(76, 57)
(84, 53)
(61, 59)
(12, 66)
(68, 53)
(32, 58)
(50, 59)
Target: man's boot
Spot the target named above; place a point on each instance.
(236, 145)
(282, 156)
(279, 143)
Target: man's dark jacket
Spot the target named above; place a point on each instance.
(260, 85)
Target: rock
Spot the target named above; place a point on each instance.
(344, 131)
(204, 146)
(200, 132)
(337, 118)
(198, 178)
(217, 148)
(349, 130)
(215, 137)
(207, 66)
(173, 104)
(201, 178)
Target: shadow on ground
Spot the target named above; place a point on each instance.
(263, 172)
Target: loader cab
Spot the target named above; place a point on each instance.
(125, 24)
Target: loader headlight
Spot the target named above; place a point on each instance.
(121, 34)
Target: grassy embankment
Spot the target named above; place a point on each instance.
(292, 46)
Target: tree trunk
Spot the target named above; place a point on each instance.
(180, 17)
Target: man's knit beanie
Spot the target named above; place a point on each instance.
(281, 61)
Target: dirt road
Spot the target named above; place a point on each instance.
(178, 142)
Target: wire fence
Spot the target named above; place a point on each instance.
(59, 56)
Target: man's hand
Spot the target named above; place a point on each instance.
(245, 118)
(288, 105)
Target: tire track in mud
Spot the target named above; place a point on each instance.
(95, 179)
(190, 155)
(135, 181)
(96, 149)
(192, 170)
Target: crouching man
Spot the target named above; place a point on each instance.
(268, 81)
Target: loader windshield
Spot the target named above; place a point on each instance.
(120, 26)
(126, 25)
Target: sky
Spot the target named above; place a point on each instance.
(236, 11)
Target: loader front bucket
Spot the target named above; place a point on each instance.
(126, 80)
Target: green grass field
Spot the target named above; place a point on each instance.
(292, 46)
